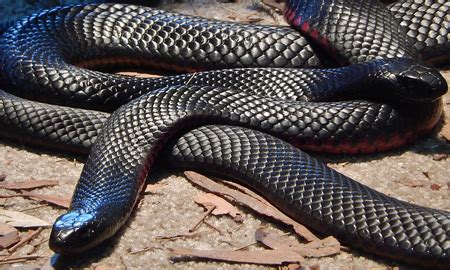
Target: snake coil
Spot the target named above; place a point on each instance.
(259, 89)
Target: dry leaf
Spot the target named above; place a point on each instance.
(413, 183)
(154, 188)
(62, 201)
(439, 157)
(8, 235)
(266, 257)
(21, 220)
(222, 207)
(138, 74)
(251, 20)
(25, 239)
(255, 202)
(273, 240)
(30, 184)
(326, 247)
(2, 177)
(294, 266)
(435, 187)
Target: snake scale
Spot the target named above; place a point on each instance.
(239, 122)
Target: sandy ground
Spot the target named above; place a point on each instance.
(172, 211)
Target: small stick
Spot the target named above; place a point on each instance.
(202, 219)
(123, 262)
(246, 246)
(40, 243)
(190, 78)
(35, 246)
(213, 227)
(24, 240)
(141, 250)
(21, 259)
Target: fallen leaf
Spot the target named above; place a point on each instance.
(154, 188)
(273, 240)
(2, 177)
(255, 202)
(435, 187)
(222, 207)
(25, 239)
(266, 257)
(61, 201)
(251, 20)
(21, 220)
(138, 74)
(30, 184)
(413, 183)
(320, 248)
(439, 157)
(325, 247)
(294, 266)
(8, 235)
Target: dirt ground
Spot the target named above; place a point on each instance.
(172, 211)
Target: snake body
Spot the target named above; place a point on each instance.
(38, 57)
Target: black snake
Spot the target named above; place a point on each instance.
(37, 61)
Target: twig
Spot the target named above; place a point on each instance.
(202, 219)
(21, 259)
(246, 246)
(213, 227)
(142, 250)
(35, 246)
(190, 78)
(123, 262)
(24, 240)
(172, 237)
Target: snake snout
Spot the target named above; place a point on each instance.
(75, 232)
(418, 82)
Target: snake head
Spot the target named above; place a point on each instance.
(413, 82)
(76, 232)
